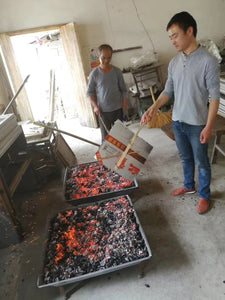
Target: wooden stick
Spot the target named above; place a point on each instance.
(103, 123)
(15, 96)
(117, 155)
(52, 95)
(128, 148)
(127, 49)
(153, 96)
(111, 156)
(70, 134)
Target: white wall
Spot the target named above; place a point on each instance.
(116, 22)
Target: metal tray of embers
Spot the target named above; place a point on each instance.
(71, 186)
(137, 237)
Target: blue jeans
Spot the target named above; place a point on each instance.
(192, 152)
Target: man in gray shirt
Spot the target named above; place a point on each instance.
(193, 80)
(107, 90)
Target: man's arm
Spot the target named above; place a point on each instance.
(149, 114)
(94, 104)
(163, 98)
(91, 92)
(213, 86)
(207, 131)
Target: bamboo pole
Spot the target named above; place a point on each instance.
(103, 123)
(128, 148)
(15, 96)
(67, 133)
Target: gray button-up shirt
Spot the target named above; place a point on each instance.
(193, 80)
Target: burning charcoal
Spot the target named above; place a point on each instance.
(87, 180)
(92, 238)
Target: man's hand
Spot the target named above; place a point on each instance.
(205, 135)
(97, 110)
(207, 131)
(94, 104)
(148, 115)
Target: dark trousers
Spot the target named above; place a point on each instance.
(109, 118)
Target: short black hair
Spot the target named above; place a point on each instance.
(184, 20)
(105, 46)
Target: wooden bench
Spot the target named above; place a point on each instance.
(218, 131)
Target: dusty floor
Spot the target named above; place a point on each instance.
(188, 250)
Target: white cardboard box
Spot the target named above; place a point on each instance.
(114, 146)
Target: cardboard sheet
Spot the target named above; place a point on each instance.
(114, 146)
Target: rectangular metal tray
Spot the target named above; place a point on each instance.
(41, 284)
(90, 199)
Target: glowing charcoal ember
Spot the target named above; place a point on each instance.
(94, 238)
(87, 180)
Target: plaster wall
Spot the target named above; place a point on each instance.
(121, 23)
(116, 22)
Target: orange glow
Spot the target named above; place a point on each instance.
(60, 252)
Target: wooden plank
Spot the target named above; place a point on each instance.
(219, 125)
(127, 49)
(216, 147)
(6, 89)
(52, 95)
(220, 149)
(67, 133)
(12, 67)
(35, 30)
(74, 58)
(7, 203)
(19, 176)
(15, 96)
(64, 152)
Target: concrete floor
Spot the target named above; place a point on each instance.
(188, 250)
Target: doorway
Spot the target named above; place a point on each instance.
(49, 88)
